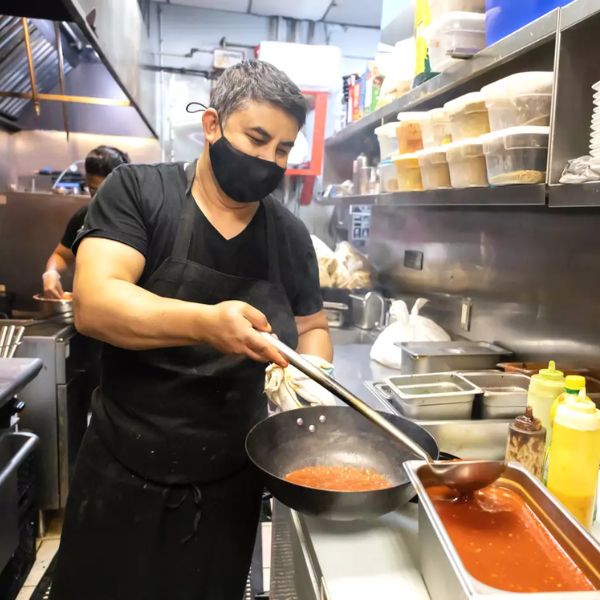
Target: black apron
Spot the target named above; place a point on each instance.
(163, 504)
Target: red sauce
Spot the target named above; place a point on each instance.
(503, 544)
(339, 479)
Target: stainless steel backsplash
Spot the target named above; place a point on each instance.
(532, 273)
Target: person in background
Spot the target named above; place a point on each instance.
(99, 163)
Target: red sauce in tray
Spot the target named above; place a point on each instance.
(503, 544)
(339, 479)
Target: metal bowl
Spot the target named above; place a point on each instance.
(56, 308)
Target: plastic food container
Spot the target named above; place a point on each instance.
(408, 172)
(434, 168)
(408, 132)
(520, 99)
(466, 163)
(435, 128)
(453, 36)
(388, 142)
(468, 116)
(433, 395)
(388, 176)
(441, 7)
(516, 155)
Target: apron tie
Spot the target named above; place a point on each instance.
(174, 501)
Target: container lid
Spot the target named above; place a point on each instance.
(437, 114)
(405, 157)
(412, 116)
(467, 147)
(526, 136)
(551, 373)
(574, 382)
(578, 413)
(527, 423)
(527, 83)
(458, 348)
(436, 154)
(456, 20)
(387, 130)
(464, 102)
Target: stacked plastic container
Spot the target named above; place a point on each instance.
(496, 136)
(516, 150)
(457, 31)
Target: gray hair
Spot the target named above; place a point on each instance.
(258, 81)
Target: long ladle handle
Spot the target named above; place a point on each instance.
(342, 393)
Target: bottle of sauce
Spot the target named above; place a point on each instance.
(575, 456)
(526, 443)
(544, 388)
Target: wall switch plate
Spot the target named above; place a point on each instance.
(465, 314)
(413, 259)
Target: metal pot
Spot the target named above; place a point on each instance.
(57, 309)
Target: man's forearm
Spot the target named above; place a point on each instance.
(317, 342)
(126, 315)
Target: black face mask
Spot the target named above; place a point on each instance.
(244, 178)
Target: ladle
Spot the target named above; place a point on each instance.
(464, 476)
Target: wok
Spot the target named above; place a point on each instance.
(334, 435)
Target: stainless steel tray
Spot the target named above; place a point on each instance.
(443, 571)
(504, 395)
(469, 439)
(433, 395)
(435, 357)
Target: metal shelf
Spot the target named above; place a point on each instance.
(441, 86)
(574, 195)
(507, 195)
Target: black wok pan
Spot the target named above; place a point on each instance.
(341, 436)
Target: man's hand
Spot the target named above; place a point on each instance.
(233, 328)
(52, 285)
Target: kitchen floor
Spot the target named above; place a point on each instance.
(48, 545)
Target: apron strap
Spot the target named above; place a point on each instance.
(272, 250)
(185, 227)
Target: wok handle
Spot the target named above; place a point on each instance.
(342, 393)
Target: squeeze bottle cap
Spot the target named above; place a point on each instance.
(551, 373)
(574, 382)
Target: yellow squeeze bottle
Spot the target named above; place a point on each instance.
(575, 456)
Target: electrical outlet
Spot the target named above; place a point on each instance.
(465, 314)
(413, 259)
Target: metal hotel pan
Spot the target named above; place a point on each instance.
(443, 571)
(334, 435)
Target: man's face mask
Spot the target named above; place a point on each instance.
(244, 178)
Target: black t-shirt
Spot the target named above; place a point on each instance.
(139, 206)
(73, 226)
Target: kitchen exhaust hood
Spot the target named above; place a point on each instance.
(74, 65)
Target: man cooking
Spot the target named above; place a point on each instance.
(179, 267)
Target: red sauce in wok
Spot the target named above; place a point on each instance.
(339, 478)
(503, 544)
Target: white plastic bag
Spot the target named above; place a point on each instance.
(405, 328)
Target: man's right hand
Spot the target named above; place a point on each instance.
(52, 285)
(233, 328)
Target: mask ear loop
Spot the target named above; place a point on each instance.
(191, 108)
